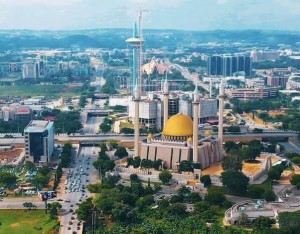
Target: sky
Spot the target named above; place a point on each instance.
(159, 14)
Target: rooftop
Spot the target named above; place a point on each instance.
(37, 126)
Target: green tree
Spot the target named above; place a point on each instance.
(289, 222)
(262, 223)
(53, 209)
(215, 196)
(7, 178)
(205, 180)
(105, 127)
(235, 181)
(274, 173)
(232, 162)
(165, 176)
(84, 209)
(30, 166)
(269, 195)
(295, 179)
(178, 209)
(121, 152)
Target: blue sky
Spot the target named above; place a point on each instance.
(163, 14)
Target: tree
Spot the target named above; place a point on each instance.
(157, 164)
(53, 208)
(186, 166)
(269, 195)
(7, 178)
(250, 152)
(134, 178)
(295, 179)
(274, 173)
(229, 145)
(28, 205)
(289, 222)
(215, 196)
(262, 223)
(30, 166)
(136, 162)
(205, 180)
(84, 209)
(234, 129)
(121, 152)
(194, 197)
(127, 130)
(105, 127)
(255, 192)
(177, 209)
(165, 176)
(235, 181)
(243, 219)
(232, 162)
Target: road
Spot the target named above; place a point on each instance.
(17, 203)
(77, 179)
(92, 124)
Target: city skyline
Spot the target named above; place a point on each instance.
(167, 14)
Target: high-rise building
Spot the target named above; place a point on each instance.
(39, 141)
(228, 65)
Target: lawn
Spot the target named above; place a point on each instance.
(26, 222)
(40, 90)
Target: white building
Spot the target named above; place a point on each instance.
(39, 141)
(151, 108)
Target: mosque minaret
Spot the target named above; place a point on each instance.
(195, 124)
(136, 99)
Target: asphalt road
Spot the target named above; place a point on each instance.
(69, 221)
(92, 125)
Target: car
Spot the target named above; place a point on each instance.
(71, 205)
(71, 210)
(72, 218)
(59, 199)
(70, 222)
(78, 227)
(69, 228)
(80, 200)
(73, 213)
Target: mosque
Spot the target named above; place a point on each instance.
(180, 140)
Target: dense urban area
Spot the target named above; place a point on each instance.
(187, 132)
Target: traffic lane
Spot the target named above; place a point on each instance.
(17, 203)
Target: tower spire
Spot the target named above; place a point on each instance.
(195, 124)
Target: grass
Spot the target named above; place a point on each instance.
(40, 90)
(27, 222)
(126, 125)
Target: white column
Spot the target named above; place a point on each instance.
(136, 122)
(221, 111)
(195, 124)
(166, 101)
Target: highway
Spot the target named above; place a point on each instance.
(77, 179)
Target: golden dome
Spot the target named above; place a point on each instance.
(190, 139)
(150, 136)
(208, 133)
(178, 125)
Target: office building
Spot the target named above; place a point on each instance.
(39, 141)
(252, 93)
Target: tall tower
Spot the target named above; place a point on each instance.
(136, 42)
(195, 124)
(221, 111)
(136, 121)
(166, 101)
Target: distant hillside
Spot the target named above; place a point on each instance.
(115, 38)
